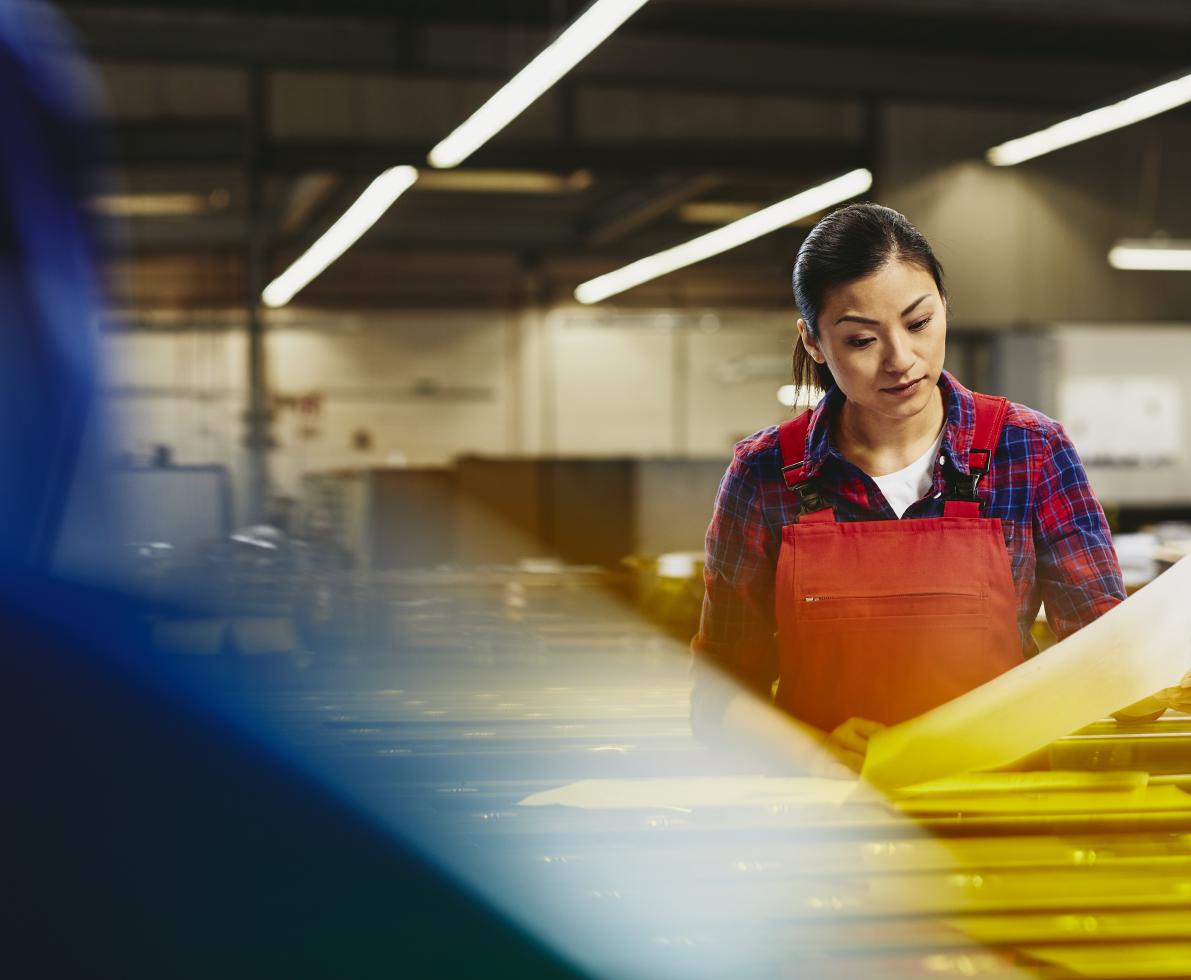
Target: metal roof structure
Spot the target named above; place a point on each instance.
(237, 132)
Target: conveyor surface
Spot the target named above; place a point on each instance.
(441, 739)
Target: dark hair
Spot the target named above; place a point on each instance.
(846, 245)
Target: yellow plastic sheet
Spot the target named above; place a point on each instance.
(1137, 648)
(985, 783)
(1158, 798)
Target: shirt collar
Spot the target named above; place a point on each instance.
(959, 409)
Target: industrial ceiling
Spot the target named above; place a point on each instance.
(235, 133)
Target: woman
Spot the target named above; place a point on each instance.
(889, 550)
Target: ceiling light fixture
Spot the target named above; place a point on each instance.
(728, 237)
(1166, 255)
(468, 180)
(158, 205)
(724, 212)
(362, 215)
(586, 32)
(1151, 102)
(715, 212)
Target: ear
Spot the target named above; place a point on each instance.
(809, 342)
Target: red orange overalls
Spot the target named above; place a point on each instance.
(886, 619)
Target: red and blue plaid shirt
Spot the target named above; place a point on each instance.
(1060, 549)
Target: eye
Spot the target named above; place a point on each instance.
(919, 324)
(859, 342)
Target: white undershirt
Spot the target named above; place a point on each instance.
(910, 483)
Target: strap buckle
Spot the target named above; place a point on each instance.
(962, 486)
(786, 479)
(809, 500)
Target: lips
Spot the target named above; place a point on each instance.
(903, 389)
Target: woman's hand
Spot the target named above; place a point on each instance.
(1147, 709)
(841, 754)
(789, 747)
(1178, 697)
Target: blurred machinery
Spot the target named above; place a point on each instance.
(668, 589)
(485, 510)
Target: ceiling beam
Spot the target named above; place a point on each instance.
(152, 144)
(1057, 25)
(166, 144)
(965, 59)
(641, 205)
(304, 199)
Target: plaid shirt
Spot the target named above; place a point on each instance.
(1060, 549)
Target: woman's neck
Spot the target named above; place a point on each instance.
(879, 444)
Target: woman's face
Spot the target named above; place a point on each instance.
(883, 338)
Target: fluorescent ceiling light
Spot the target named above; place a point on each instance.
(715, 212)
(1161, 256)
(505, 181)
(1152, 102)
(574, 44)
(722, 212)
(730, 236)
(337, 239)
(153, 205)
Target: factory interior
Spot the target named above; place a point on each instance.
(365, 441)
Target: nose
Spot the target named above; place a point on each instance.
(899, 357)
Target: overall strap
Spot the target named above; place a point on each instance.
(791, 436)
(962, 499)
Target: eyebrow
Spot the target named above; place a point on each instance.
(854, 318)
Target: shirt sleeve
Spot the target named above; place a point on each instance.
(735, 644)
(1078, 574)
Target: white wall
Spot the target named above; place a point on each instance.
(184, 389)
(647, 385)
(423, 389)
(612, 386)
(429, 387)
(1134, 374)
(572, 382)
(664, 383)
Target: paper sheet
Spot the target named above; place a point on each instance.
(688, 794)
(1135, 649)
